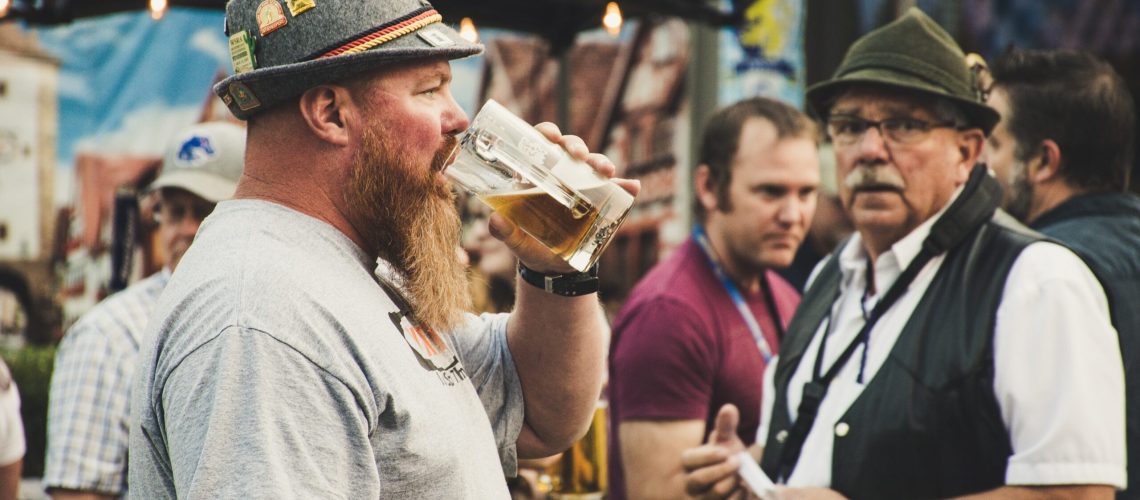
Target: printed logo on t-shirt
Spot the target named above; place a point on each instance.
(430, 349)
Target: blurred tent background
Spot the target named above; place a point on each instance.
(91, 91)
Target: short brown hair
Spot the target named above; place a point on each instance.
(721, 139)
(1077, 100)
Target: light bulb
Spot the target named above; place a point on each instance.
(467, 30)
(157, 9)
(4, 6)
(612, 19)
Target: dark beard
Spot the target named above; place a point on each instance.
(1019, 196)
(407, 216)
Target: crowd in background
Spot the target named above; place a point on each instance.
(944, 309)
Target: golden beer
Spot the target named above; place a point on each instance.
(560, 201)
(559, 228)
(581, 473)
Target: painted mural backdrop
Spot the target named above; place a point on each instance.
(128, 82)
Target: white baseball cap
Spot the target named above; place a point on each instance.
(205, 159)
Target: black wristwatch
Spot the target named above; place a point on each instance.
(567, 284)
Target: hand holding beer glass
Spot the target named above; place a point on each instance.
(560, 201)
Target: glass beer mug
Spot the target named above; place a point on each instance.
(560, 201)
(581, 472)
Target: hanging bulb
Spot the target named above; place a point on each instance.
(467, 30)
(612, 19)
(157, 9)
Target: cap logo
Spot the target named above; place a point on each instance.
(385, 33)
(270, 17)
(296, 7)
(195, 151)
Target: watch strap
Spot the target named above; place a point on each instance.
(566, 284)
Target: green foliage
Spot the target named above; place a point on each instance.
(31, 369)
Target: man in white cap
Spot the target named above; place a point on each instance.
(279, 364)
(89, 405)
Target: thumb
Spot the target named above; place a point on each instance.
(725, 427)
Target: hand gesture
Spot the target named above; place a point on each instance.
(710, 469)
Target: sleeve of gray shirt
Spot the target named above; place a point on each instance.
(250, 407)
(482, 347)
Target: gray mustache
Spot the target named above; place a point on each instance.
(874, 176)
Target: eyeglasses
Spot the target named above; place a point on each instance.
(847, 130)
(174, 212)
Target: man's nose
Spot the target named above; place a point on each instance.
(872, 144)
(454, 118)
(791, 210)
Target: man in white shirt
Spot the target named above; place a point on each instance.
(961, 353)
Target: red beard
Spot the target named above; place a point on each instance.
(406, 213)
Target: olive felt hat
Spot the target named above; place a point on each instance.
(280, 48)
(912, 53)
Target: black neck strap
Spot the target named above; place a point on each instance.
(770, 301)
(976, 205)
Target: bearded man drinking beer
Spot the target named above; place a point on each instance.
(279, 365)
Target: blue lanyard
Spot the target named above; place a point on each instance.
(737, 299)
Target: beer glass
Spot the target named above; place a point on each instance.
(560, 201)
(581, 473)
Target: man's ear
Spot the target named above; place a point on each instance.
(701, 185)
(328, 110)
(1045, 164)
(970, 143)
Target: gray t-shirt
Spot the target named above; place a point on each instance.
(275, 366)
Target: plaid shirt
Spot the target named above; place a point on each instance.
(90, 399)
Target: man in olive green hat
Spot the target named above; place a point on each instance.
(944, 349)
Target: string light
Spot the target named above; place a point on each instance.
(467, 30)
(157, 9)
(612, 19)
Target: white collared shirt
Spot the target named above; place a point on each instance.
(1059, 379)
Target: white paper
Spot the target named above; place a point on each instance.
(755, 477)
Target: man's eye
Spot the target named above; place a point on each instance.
(773, 191)
(848, 126)
(905, 124)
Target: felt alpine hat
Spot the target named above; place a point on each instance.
(912, 53)
(281, 48)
